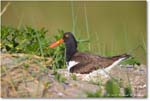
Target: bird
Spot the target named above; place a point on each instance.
(85, 63)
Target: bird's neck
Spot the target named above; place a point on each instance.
(70, 51)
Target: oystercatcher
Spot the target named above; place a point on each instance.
(85, 63)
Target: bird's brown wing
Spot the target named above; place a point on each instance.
(88, 63)
(85, 64)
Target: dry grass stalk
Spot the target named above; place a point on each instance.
(4, 9)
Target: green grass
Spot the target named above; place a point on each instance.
(73, 18)
(131, 61)
(87, 26)
(59, 77)
(112, 89)
(143, 43)
(94, 95)
(128, 91)
(73, 76)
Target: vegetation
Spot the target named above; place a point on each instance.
(73, 76)
(35, 42)
(131, 61)
(59, 77)
(58, 54)
(24, 40)
(112, 89)
(95, 94)
(128, 91)
(32, 41)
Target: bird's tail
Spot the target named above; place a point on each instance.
(125, 56)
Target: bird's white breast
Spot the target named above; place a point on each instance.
(71, 64)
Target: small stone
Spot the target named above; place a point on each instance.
(60, 94)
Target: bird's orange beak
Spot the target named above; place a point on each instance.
(56, 43)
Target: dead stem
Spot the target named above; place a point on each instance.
(5, 8)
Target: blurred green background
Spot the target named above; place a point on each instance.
(112, 28)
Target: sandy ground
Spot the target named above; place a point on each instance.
(25, 76)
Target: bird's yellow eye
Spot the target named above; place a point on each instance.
(66, 35)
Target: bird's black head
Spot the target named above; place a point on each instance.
(71, 45)
(69, 39)
(70, 42)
